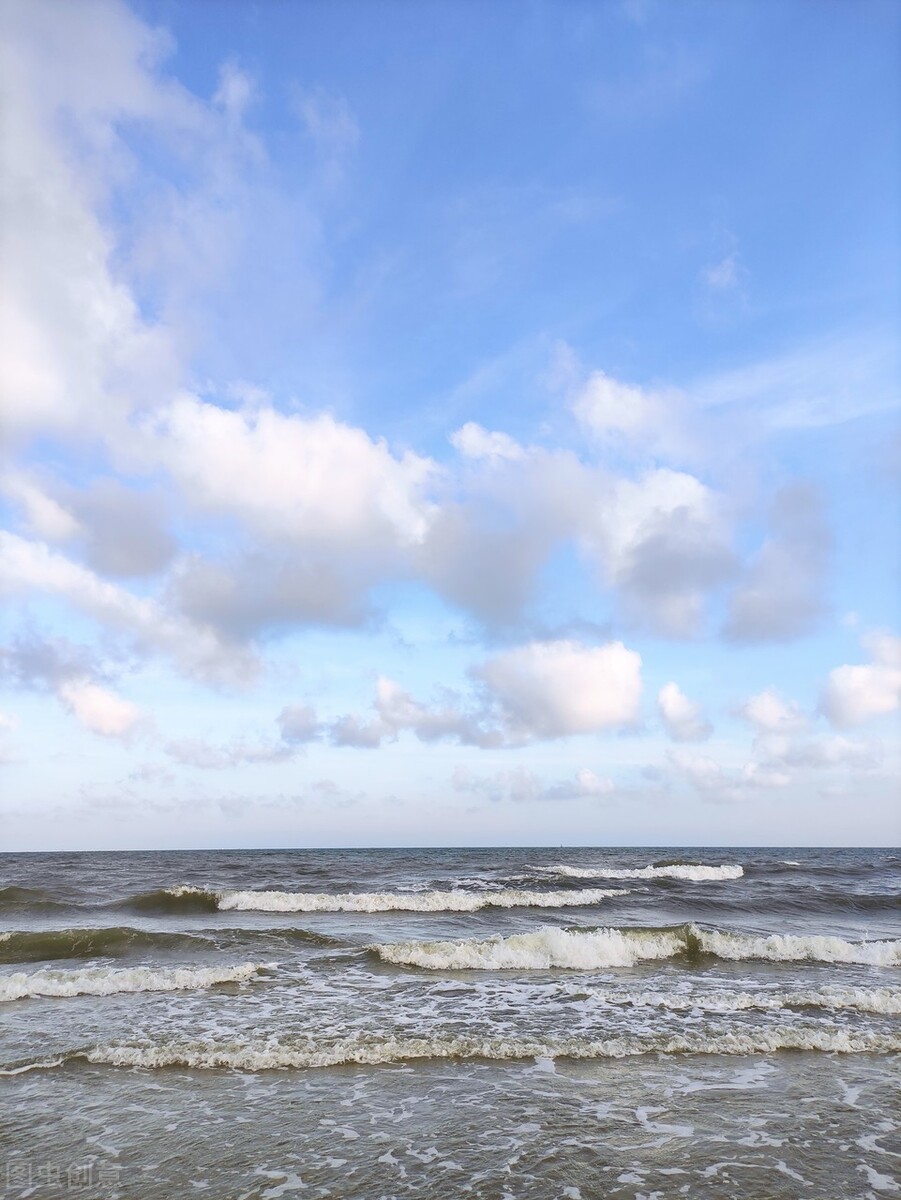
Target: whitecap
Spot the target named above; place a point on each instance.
(108, 981)
(434, 901)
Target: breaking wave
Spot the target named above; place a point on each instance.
(41, 945)
(548, 947)
(371, 902)
(108, 981)
(370, 1050)
(694, 872)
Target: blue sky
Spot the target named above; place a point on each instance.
(450, 424)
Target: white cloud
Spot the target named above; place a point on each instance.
(560, 688)
(475, 442)
(663, 544)
(856, 694)
(683, 718)
(783, 593)
(75, 353)
(46, 517)
(607, 407)
(99, 709)
(541, 690)
(623, 417)
(303, 479)
(31, 566)
(298, 723)
(395, 711)
(769, 713)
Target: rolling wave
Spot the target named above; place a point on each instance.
(547, 948)
(184, 898)
(107, 981)
(694, 872)
(374, 1050)
(372, 902)
(41, 945)
(13, 898)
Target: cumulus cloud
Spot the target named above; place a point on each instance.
(856, 694)
(624, 418)
(683, 719)
(560, 688)
(99, 709)
(305, 479)
(484, 550)
(663, 544)
(541, 690)
(475, 442)
(72, 674)
(33, 567)
(260, 590)
(720, 785)
(782, 595)
(75, 352)
(608, 407)
(395, 710)
(298, 723)
(769, 713)
(121, 530)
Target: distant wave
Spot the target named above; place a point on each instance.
(371, 902)
(40, 945)
(373, 1050)
(695, 872)
(547, 948)
(108, 981)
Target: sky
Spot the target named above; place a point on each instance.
(450, 424)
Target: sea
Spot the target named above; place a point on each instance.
(506, 1024)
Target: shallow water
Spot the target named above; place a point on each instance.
(489, 1023)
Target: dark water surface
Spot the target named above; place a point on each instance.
(451, 1023)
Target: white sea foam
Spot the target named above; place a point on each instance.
(548, 947)
(373, 1050)
(696, 873)
(451, 901)
(107, 981)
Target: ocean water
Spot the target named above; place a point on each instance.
(488, 1023)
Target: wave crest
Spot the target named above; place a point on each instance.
(113, 941)
(451, 901)
(694, 872)
(371, 1051)
(546, 948)
(108, 981)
